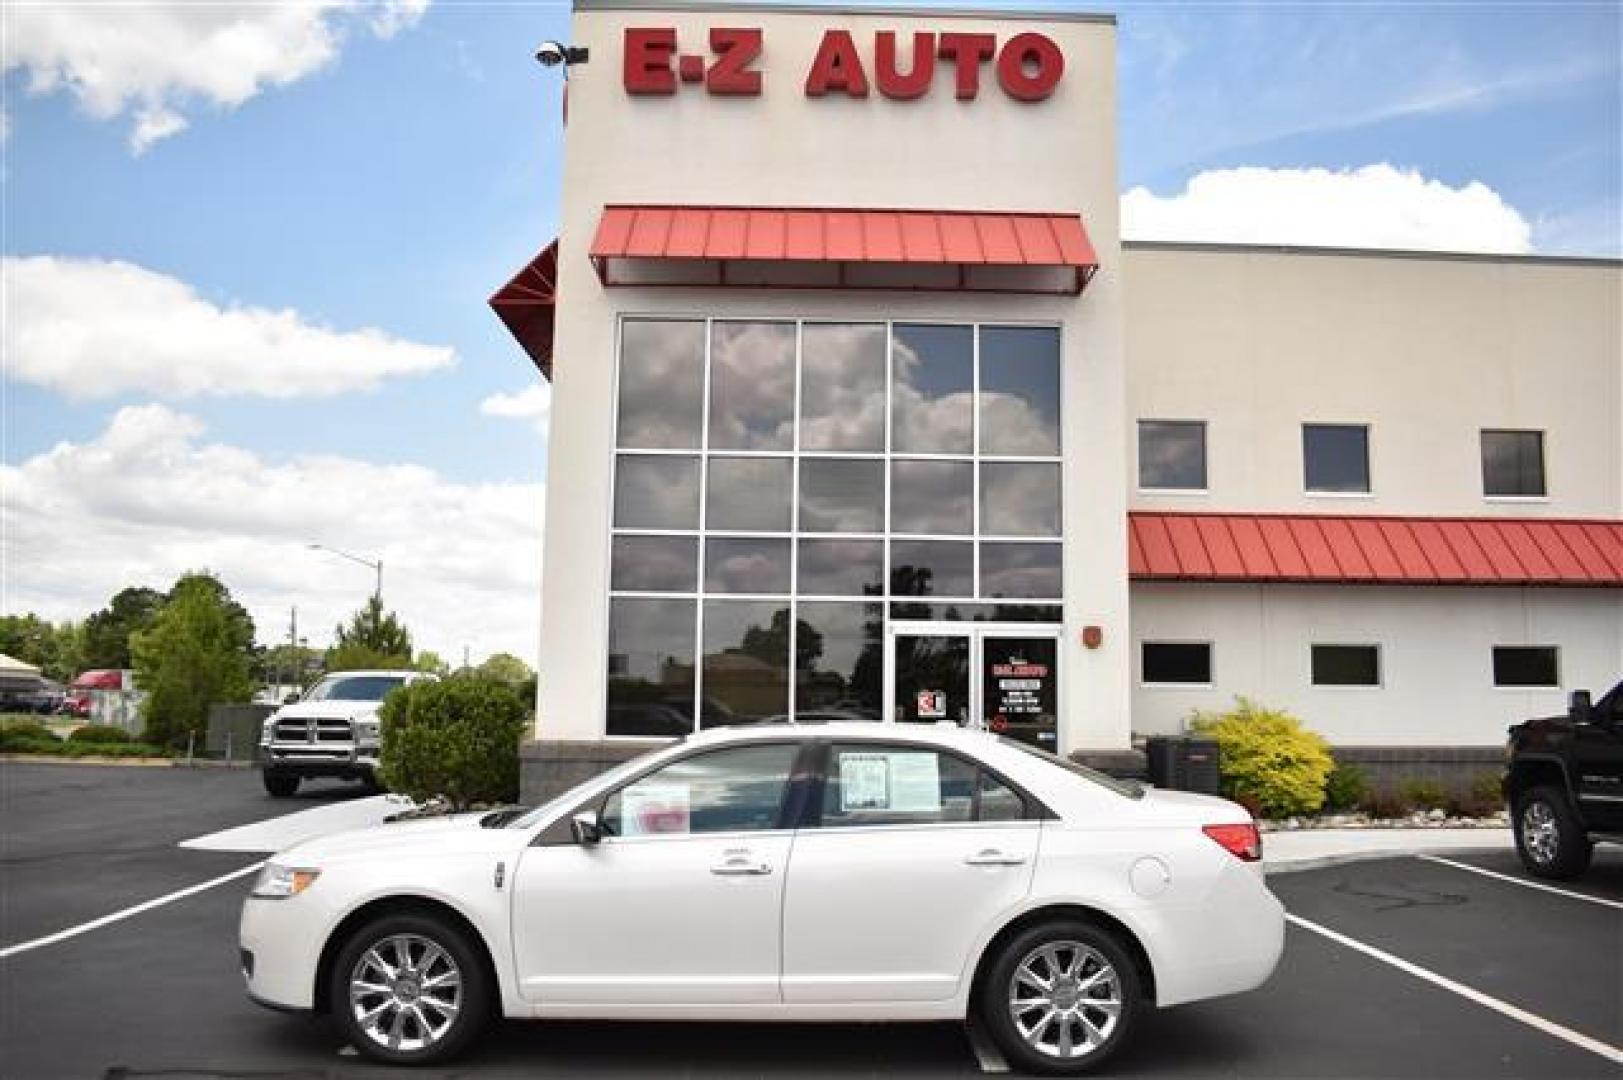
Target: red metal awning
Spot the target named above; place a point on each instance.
(528, 305)
(945, 250)
(1374, 550)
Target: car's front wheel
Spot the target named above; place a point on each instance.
(1061, 997)
(281, 785)
(409, 990)
(1549, 837)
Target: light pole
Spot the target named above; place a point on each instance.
(376, 565)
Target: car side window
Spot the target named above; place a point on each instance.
(737, 789)
(997, 801)
(886, 784)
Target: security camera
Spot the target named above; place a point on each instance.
(551, 54)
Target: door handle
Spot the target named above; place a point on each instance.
(740, 866)
(993, 857)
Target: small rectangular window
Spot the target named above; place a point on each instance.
(1335, 458)
(1526, 665)
(1346, 665)
(1513, 463)
(1172, 455)
(1177, 663)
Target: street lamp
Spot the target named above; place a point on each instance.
(377, 565)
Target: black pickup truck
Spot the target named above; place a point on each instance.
(1564, 784)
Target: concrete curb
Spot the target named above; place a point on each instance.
(90, 759)
(1320, 848)
(1322, 862)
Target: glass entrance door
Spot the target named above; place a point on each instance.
(1005, 678)
(932, 679)
(1020, 687)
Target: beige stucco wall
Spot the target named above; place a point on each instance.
(783, 149)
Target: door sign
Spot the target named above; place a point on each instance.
(932, 704)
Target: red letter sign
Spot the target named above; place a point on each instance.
(969, 50)
(892, 83)
(837, 68)
(1047, 64)
(735, 50)
(648, 60)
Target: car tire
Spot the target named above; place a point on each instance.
(1087, 972)
(1549, 837)
(411, 1019)
(281, 785)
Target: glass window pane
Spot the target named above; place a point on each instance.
(752, 386)
(1346, 665)
(739, 565)
(651, 667)
(998, 801)
(1513, 463)
(933, 379)
(748, 494)
(655, 564)
(1022, 571)
(656, 492)
(841, 568)
(1177, 662)
(880, 784)
(840, 669)
(972, 612)
(1525, 665)
(1172, 455)
(1020, 688)
(932, 568)
(1019, 390)
(842, 495)
(932, 497)
(1019, 499)
(1336, 457)
(661, 384)
(842, 387)
(735, 790)
(746, 661)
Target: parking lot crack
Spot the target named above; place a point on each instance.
(1397, 897)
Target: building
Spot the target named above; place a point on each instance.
(861, 406)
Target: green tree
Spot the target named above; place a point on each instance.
(373, 638)
(430, 661)
(195, 654)
(506, 668)
(772, 644)
(107, 632)
(55, 649)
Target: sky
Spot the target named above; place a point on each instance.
(247, 249)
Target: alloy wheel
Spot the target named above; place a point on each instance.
(1540, 831)
(1065, 999)
(405, 993)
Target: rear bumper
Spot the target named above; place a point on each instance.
(1230, 943)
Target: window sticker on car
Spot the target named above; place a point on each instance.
(864, 782)
(898, 781)
(654, 809)
(915, 781)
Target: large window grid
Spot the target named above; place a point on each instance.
(1042, 542)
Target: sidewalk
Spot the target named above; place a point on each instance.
(1310, 849)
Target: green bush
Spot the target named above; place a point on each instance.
(1346, 788)
(1423, 795)
(99, 733)
(31, 731)
(457, 739)
(1483, 797)
(1268, 759)
(112, 750)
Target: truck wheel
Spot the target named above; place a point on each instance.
(281, 785)
(1549, 837)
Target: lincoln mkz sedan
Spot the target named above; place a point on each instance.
(840, 872)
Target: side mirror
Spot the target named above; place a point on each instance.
(291, 698)
(586, 827)
(1578, 706)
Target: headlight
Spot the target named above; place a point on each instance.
(284, 880)
(366, 729)
(267, 730)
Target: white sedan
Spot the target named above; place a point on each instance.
(832, 872)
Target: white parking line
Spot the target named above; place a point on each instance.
(118, 916)
(1541, 887)
(1504, 1008)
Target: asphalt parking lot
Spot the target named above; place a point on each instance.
(157, 995)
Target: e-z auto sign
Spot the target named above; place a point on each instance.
(1026, 66)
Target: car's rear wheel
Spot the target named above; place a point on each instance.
(409, 990)
(1061, 997)
(281, 785)
(1549, 837)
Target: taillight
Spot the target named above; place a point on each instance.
(1244, 842)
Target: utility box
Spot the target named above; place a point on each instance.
(1183, 764)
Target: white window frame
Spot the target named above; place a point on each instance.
(1211, 664)
(1369, 459)
(1543, 460)
(1522, 688)
(1380, 665)
(1206, 457)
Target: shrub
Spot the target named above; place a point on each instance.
(28, 731)
(99, 733)
(1423, 795)
(1382, 804)
(1266, 756)
(1346, 788)
(1484, 797)
(457, 738)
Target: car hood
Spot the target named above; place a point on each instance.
(321, 710)
(452, 834)
(1186, 806)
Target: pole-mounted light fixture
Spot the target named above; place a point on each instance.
(553, 53)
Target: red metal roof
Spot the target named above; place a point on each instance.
(712, 239)
(1374, 550)
(528, 304)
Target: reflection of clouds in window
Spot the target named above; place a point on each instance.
(839, 495)
(932, 497)
(1020, 499)
(752, 386)
(749, 494)
(1019, 387)
(1010, 425)
(1021, 571)
(655, 563)
(746, 566)
(661, 384)
(1172, 454)
(656, 492)
(842, 389)
(932, 392)
(840, 567)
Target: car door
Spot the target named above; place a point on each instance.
(1597, 760)
(911, 853)
(679, 903)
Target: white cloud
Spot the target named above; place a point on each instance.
(90, 328)
(153, 61)
(533, 403)
(149, 499)
(1377, 206)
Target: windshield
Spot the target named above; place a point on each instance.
(354, 687)
(1130, 788)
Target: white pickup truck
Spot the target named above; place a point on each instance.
(330, 731)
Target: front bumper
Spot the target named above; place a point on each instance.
(346, 761)
(283, 937)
